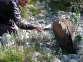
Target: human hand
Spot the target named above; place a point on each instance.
(15, 27)
(39, 29)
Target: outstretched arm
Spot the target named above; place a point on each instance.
(15, 15)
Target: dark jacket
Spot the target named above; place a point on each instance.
(10, 9)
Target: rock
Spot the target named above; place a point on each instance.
(72, 56)
(27, 44)
(44, 12)
(64, 35)
(72, 60)
(32, 18)
(62, 60)
(79, 29)
(48, 27)
(56, 60)
(80, 47)
(80, 52)
(65, 58)
(5, 38)
(81, 42)
(41, 16)
(80, 59)
(36, 54)
(41, 21)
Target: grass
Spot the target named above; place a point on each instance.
(23, 53)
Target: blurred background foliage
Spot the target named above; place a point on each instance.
(34, 6)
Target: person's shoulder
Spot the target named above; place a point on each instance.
(9, 0)
(15, 1)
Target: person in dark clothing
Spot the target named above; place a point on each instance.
(9, 9)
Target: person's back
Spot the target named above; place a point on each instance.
(5, 15)
(7, 10)
(4, 11)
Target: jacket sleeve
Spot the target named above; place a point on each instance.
(15, 15)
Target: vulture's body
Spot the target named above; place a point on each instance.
(64, 35)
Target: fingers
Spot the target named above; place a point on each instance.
(39, 29)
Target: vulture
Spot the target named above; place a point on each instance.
(64, 35)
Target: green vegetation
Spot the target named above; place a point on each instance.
(56, 5)
(22, 52)
(10, 55)
(31, 9)
(79, 38)
(75, 17)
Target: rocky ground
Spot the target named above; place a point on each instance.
(47, 24)
(47, 42)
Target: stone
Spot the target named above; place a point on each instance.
(80, 59)
(81, 42)
(64, 35)
(48, 27)
(80, 47)
(72, 56)
(56, 60)
(5, 38)
(65, 58)
(80, 52)
(72, 60)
